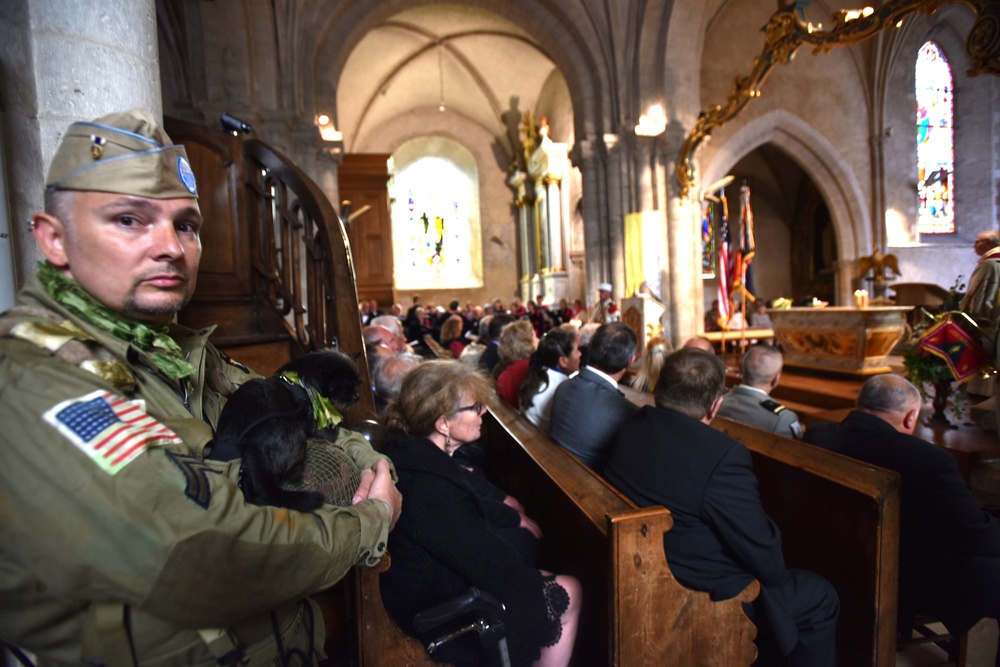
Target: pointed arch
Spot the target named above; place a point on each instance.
(825, 166)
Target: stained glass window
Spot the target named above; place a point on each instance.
(431, 226)
(935, 142)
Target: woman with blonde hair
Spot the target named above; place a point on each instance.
(517, 343)
(445, 543)
(650, 364)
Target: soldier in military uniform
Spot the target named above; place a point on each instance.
(750, 402)
(121, 544)
(607, 310)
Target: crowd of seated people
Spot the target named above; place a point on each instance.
(429, 318)
(578, 403)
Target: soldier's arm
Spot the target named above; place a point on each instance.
(157, 529)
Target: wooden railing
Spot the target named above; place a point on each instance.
(276, 272)
(301, 258)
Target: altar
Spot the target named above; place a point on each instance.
(839, 338)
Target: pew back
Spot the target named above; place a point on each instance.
(634, 611)
(839, 518)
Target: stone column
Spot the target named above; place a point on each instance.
(617, 189)
(683, 289)
(525, 232)
(67, 60)
(587, 158)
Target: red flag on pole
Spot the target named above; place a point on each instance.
(725, 266)
(963, 354)
(748, 247)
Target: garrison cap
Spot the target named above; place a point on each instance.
(126, 153)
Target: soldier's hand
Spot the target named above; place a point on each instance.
(382, 488)
(366, 483)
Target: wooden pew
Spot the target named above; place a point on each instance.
(634, 612)
(840, 518)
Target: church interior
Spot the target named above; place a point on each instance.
(535, 149)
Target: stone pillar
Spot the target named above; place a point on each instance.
(684, 290)
(616, 187)
(586, 157)
(525, 233)
(67, 60)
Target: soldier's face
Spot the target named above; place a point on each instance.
(135, 255)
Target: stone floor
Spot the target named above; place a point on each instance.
(982, 649)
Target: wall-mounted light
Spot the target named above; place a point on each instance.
(234, 125)
(652, 123)
(326, 128)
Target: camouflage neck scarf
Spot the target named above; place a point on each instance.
(163, 351)
(325, 414)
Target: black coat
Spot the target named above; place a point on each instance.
(444, 543)
(721, 539)
(941, 525)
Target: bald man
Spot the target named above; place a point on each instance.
(699, 343)
(751, 402)
(949, 548)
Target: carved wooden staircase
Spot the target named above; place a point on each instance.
(276, 273)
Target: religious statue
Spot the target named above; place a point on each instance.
(877, 263)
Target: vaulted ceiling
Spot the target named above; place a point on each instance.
(443, 57)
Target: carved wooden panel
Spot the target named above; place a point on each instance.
(364, 182)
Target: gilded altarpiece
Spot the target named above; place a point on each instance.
(543, 205)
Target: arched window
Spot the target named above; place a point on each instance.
(436, 226)
(935, 142)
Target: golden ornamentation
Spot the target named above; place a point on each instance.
(785, 33)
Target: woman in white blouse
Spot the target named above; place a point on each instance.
(555, 360)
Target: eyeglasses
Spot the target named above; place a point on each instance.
(475, 407)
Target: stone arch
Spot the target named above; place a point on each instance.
(825, 166)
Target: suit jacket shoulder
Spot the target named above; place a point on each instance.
(586, 415)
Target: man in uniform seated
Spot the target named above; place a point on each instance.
(721, 538)
(750, 402)
(949, 548)
(122, 544)
(588, 408)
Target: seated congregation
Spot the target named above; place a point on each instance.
(662, 450)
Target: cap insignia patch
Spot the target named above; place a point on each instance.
(186, 175)
(97, 146)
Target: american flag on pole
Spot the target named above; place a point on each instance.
(109, 429)
(725, 260)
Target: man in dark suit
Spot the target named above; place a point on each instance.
(949, 548)
(721, 538)
(588, 408)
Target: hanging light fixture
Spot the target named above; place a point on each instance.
(441, 106)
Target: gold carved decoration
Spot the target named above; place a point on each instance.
(786, 32)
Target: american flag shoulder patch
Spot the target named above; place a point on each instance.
(109, 429)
